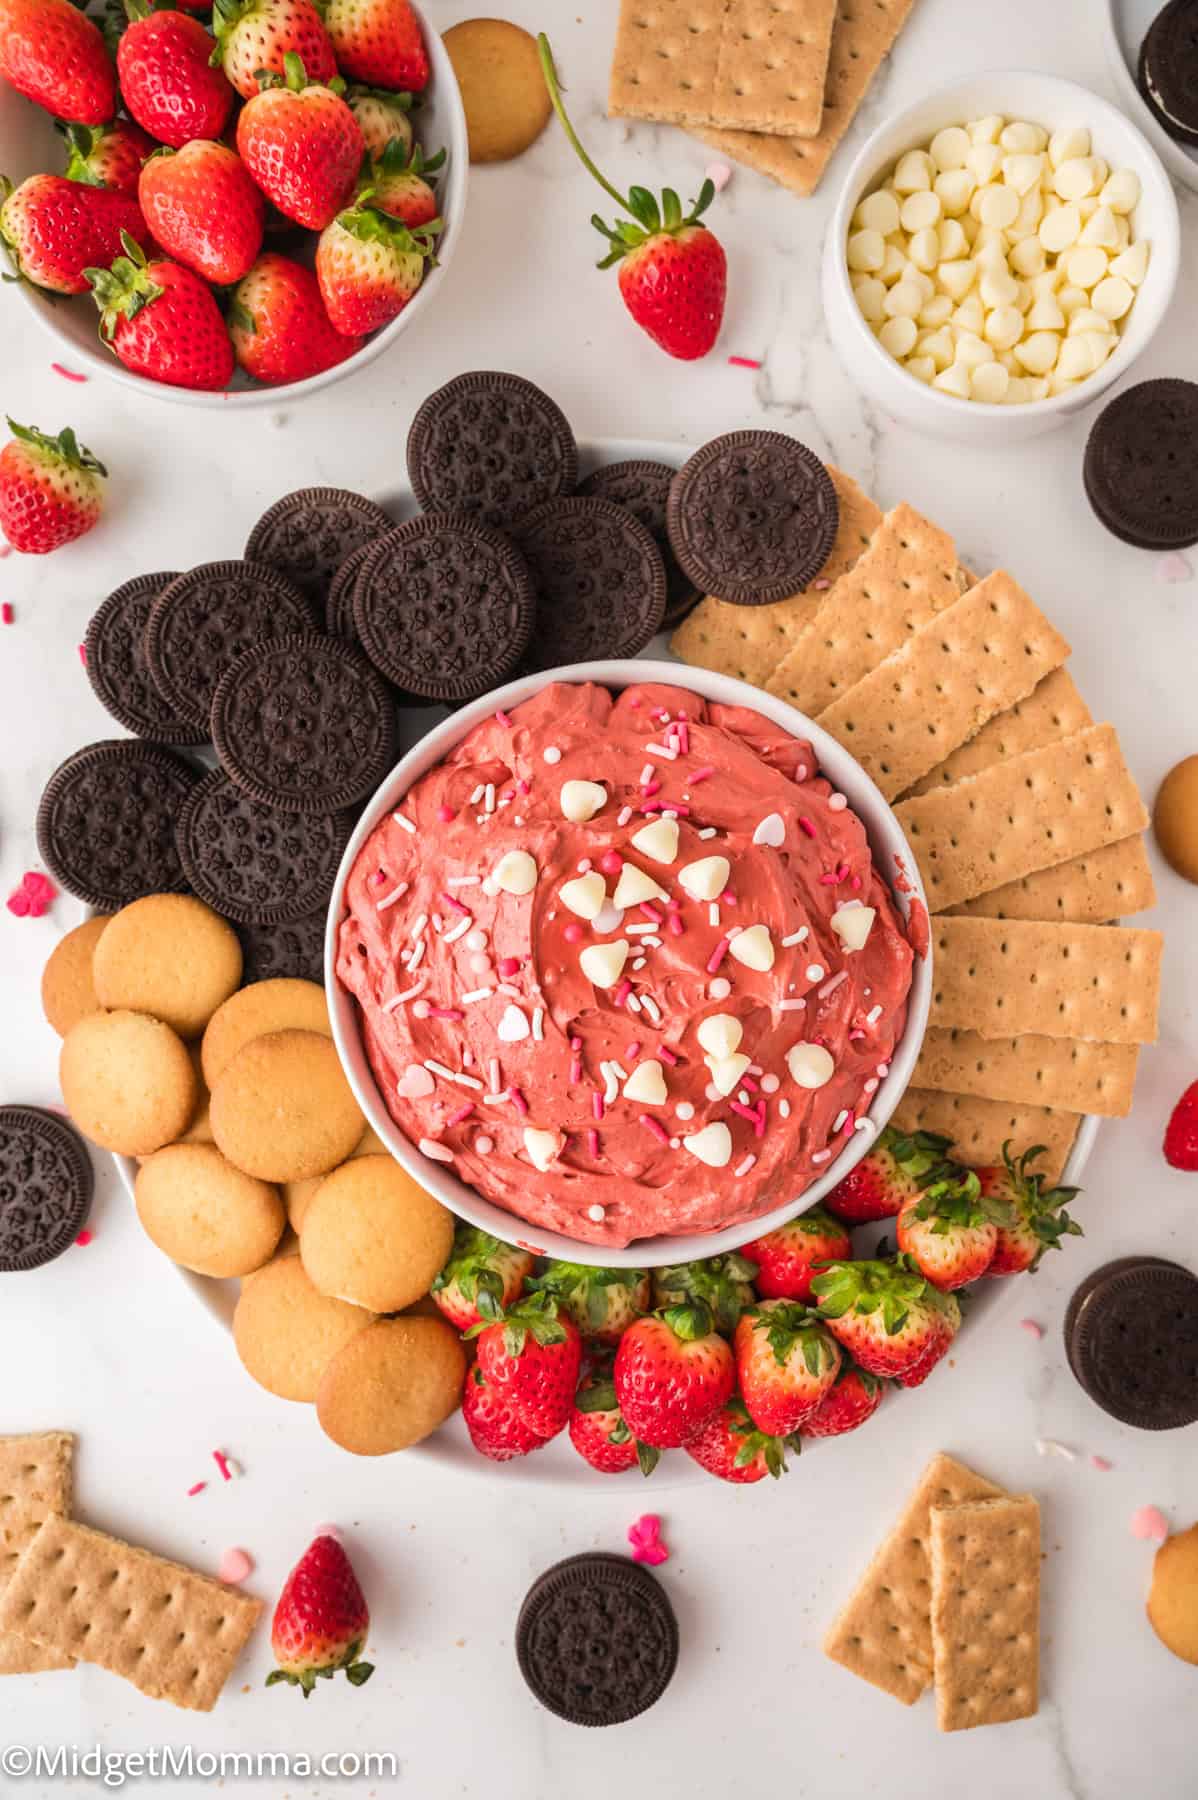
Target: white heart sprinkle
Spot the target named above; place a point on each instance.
(512, 1026)
(771, 831)
(415, 1083)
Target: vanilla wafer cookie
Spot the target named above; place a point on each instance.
(1033, 1070)
(978, 1129)
(985, 1558)
(35, 1481)
(1053, 710)
(1112, 883)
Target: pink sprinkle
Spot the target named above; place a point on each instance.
(633, 1050)
(719, 174)
(622, 992)
(235, 1565)
(576, 1043)
(676, 926)
(443, 1012)
(717, 956)
(727, 898)
(634, 701)
(828, 880)
(509, 966)
(33, 897)
(744, 362)
(455, 905)
(655, 1126)
(5, 549)
(503, 719)
(593, 1144)
(806, 826)
(378, 878)
(822, 583)
(523, 786)
(683, 737)
(197, 1488)
(7, 614)
(651, 787)
(82, 649)
(1173, 567)
(1101, 1464)
(667, 1055)
(460, 1116)
(672, 806)
(1031, 1327)
(703, 774)
(519, 1102)
(572, 933)
(854, 1035)
(222, 1463)
(84, 1239)
(651, 912)
(597, 1106)
(67, 374)
(611, 862)
(746, 1081)
(576, 1069)
(445, 814)
(855, 884)
(1150, 1523)
(744, 1112)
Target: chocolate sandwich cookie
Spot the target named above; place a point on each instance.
(1139, 464)
(644, 488)
(115, 658)
(339, 605)
(308, 535)
(1132, 1342)
(294, 949)
(599, 579)
(305, 724)
(492, 445)
(1167, 73)
(206, 619)
(596, 1639)
(253, 863)
(106, 822)
(46, 1184)
(444, 607)
(752, 517)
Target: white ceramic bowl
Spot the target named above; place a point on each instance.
(1045, 100)
(29, 145)
(890, 852)
(1124, 27)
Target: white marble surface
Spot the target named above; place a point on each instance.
(108, 1343)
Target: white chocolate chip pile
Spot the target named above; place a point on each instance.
(998, 263)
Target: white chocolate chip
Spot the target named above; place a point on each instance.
(913, 172)
(712, 1145)
(1132, 264)
(1112, 297)
(985, 131)
(647, 1083)
(898, 337)
(1064, 145)
(866, 251)
(810, 1065)
(1022, 171)
(515, 873)
(955, 381)
(983, 162)
(954, 190)
(727, 1072)
(1084, 267)
(584, 895)
(705, 879)
(1045, 315)
(1077, 177)
(581, 800)
(542, 1147)
(853, 924)
(1019, 137)
(949, 148)
(995, 206)
(1101, 229)
(603, 964)
(878, 212)
(989, 382)
(1038, 353)
(719, 1034)
(1060, 228)
(1121, 191)
(920, 210)
(635, 888)
(659, 839)
(754, 948)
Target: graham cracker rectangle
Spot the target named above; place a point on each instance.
(985, 1557)
(884, 1633)
(1053, 710)
(863, 34)
(747, 65)
(1032, 812)
(35, 1481)
(971, 662)
(907, 574)
(751, 641)
(1033, 1070)
(174, 1634)
(978, 1129)
(1005, 977)
(1106, 884)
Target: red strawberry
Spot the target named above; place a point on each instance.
(855, 1398)
(673, 271)
(369, 267)
(301, 144)
(321, 1621)
(109, 156)
(598, 1431)
(382, 117)
(204, 210)
(672, 1372)
(380, 42)
(56, 229)
(532, 1357)
(785, 1363)
(952, 1230)
(50, 489)
(722, 1283)
(52, 54)
(253, 35)
(730, 1446)
(496, 1429)
(892, 1320)
(167, 79)
(483, 1276)
(786, 1259)
(603, 1303)
(162, 322)
(1181, 1133)
(892, 1175)
(396, 185)
(1039, 1219)
(281, 331)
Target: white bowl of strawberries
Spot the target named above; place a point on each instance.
(212, 231)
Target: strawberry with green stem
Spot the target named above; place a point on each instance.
(854, 1397)
(603, 1303)
(161, 321)
(168, 83)
(952, 1230)
(383, 117)
(301, 144)
(890, 1318)
(789, 1259)
(723, 1283)
(53, 230)
(599, 1432)
(532, 1355)
(321, 1621)
(257, 35)
(108, 156)
(370, 266)
(55, 56)
(672, 1372)
(1038, 1219)
(731, 1447)
(673, 271)
(397, 184)
(279, 328)
(482, 1278)
(786, 1362)
(890, 1176)
(50, 489)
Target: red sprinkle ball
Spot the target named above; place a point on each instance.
(84, 1239)
(33, 897)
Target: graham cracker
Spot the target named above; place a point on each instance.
(1053, 710)
(174, 1634)
(35, 1481)
(1106, 884)
(884, 1633)
(971, 662)
(863, 34)
(749, 65)
(986, 1610)
(1005, 977)
(1031, 812)
(979, 1128)
(907, 574)
(751, 641)
(1034, 1070)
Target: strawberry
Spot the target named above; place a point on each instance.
(54, 55)
(169, 85)
(854, 1398)
(396, 185)
(55, 229)
(787, 1259)
(50, 489)
(598, 1431)
(281, 331)
(162, 322)
(785, 1363)
(603, 1303)
(532, 1356)
(672, 1372)
(382, 118)
(301, 144)
(722, 1283)
(369, 267)
(892, 1320)
(1039, 1220)
(673, 271)
(253, 35)
(496, 1429)
(204, 210)
(108, 156)
(952, 1230)
(730, 1446)
(483, 1276)
(379, 42)
(1181, 1133)
(893, 1174)
(321, 1621)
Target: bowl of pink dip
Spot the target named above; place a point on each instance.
(627, 969)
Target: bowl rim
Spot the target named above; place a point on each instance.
(892, 856)
(1166, 250)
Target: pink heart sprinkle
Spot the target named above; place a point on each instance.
(235, 1565)
(415, 1083)
(1150, 1523)
(644, 1534)
(1173, 567)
